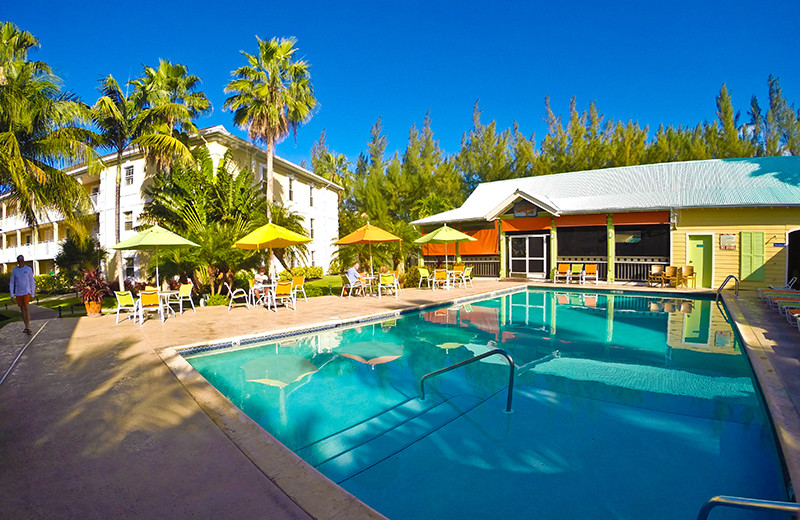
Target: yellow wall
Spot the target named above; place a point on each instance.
(774, 222)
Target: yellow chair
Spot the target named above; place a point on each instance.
(285, 294)
(656, 275)
(150, 301)
(562, 271)
(590, 271)
(670, 275)
(185, 295)
(575, 271)
(468, 276)
(388, 282)
(298, 283)
(687, 273)
(440, 278)
(125, 302)
(424, 274)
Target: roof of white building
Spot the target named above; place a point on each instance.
(760, 181)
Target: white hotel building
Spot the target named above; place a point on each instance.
(295, 187)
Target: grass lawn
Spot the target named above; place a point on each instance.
(70, 304)
(330, 284)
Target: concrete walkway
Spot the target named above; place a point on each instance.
(94, 423)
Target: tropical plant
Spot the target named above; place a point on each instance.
(124, 122)
(271, 96)
(40, 133)
(91, 286)
(78, 253)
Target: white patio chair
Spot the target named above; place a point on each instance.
(238, 293)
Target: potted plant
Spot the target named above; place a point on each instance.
(91, 287)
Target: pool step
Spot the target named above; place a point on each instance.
(366, 430)
(412, 422)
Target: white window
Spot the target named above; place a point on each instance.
(128, 175)
(311, 195)
(291, 188)
(128, 217)
(311, 228)
(27, 239)
(129, 268)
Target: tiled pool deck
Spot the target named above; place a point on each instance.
(94, 422)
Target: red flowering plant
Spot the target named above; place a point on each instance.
(91, 286)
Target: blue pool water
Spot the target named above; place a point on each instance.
(624, 407)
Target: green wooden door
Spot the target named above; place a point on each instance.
(699, 256)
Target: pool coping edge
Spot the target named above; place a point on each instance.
(784, 415)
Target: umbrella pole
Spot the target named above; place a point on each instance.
(371, 269)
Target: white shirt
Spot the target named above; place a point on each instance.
(22, 281)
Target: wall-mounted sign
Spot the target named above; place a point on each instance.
(523, 208)
(727, 241)
(779, 244)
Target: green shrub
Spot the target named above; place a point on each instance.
(5, 281)
(285, 276)
(52, 284)
(412, 277)
(217, 299)
(335, 267)
(314, 273)
(313, 290)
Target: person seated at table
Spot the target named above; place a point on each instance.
(384, 269)
(352, 274)
(261, 279)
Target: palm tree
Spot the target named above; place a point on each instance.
(123, 124)
(39, 134)
(272, 96)
(171, 83)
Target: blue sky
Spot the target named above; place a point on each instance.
(653, 62)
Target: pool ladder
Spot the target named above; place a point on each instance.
(747, 503)
(494, 352)
(735, 287)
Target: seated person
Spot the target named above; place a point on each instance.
(354, 277)
(261, 279)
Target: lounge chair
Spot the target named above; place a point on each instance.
(125, 302)
(150, 301)
(285, 294)
(576, 273)
(590, 271)
(468, 276)
(440, 278)
(788, 284)
(238, 293)
(562, 271)
(388, 282)
(298, 284)
(424, 274)
(356, 286)
(185, 295)
(687, 273)
(656, 275)
(765, 293)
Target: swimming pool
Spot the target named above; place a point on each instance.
(624, 407)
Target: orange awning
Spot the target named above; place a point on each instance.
(485, 244)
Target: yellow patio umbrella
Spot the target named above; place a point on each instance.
(445, 235)
(368, 234)
(270, 236)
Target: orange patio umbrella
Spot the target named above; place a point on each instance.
(368, 234)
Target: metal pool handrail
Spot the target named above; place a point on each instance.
(498, 352)
(735, 287)
(747, 503)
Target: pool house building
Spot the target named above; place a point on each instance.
(295, 187)
(722, 217)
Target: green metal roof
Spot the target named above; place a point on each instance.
(759, 181)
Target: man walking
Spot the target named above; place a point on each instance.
(23, 287)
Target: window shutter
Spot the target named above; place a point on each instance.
(751, 265)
